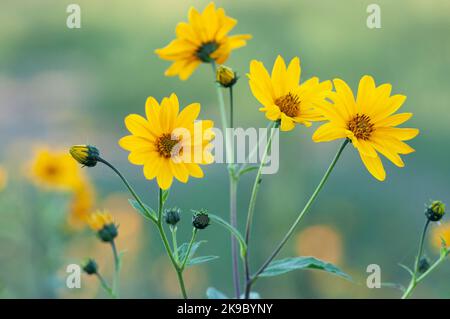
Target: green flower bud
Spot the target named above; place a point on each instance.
(90, 266)
(435, 211)
(86, 155)
(424, 264)
(225, 76)
(200, 220)
(172, 216)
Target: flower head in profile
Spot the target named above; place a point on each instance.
(3, 178)
(369, 122)
(103, 224)
(55, 170)
(167, 142)
(283, 97)
(87, 155)
(203, 39)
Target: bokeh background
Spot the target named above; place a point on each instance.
(61, 86)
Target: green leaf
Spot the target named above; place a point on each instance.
(281, 266)
(407, 269)
(253, 295)
(200, 260)
(147, 213)
(213, 293)
(182, 250)
(233, 231)
(247, 170)
(165, 195)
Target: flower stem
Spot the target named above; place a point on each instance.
(311, 200)
(233, 179)
(252, 204)
(166, 244)
(158, 222)
(173, 230)
(414, 279)
(117, 266)
(127, 184)
(188, 252)
(231, 107)
(105, 285)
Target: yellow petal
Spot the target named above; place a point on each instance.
(180, 171)
(138, 126)
(194, 170)
(394, 120)
(164, 177)
(392, 105)
(328, 132)
(366, 89)
(278, 77)
(293, 74)
(152, 166)
(403, 134)
(188, 115)
(260, 83)
(365, 147)
(345, 96)
(374, 166)
(387, 152)
(287, 124)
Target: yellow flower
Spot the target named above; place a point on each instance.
(99, 220)
(225, 76)
(55, 169)
(203, 39)
(168, 142)
(281, 95)
(3, 178)
(87, 155)
(81, 204)
(368, 122)
(438, 232)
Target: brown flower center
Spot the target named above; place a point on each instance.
(52, 170)
(166, 145)
(289, 104)
(361, 126)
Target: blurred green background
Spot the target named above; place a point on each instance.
(61, 86)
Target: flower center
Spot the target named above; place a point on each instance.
(361, 126)
(52, 170)
(205, 50)
(289, 104)
(165, 145)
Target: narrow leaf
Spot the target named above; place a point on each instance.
(200, 260)
(147, 213)
(213, 293)
(233, 231)
(182, 250)
(407, 269)
(285, 265)
(248, 170)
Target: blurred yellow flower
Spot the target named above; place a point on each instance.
(168, 143)
(98, 220)
(368, 122)
(55, 169)
(281, 95)
(203, 39)
(438, 232)
(81, 205)
(320, 241)
(3, 178)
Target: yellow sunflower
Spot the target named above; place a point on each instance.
(3, 178)
(168, 143)
(55, 170)
(369, 122)
(98, 220)
(203, 39)
(281, 95)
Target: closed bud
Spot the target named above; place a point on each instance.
(435, 211)
(86, 155)
(172, 216)
(225, 76)
(89, 266)
(424, 264)
(200, 220)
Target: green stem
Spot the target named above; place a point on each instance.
(105, 285)
(173, 230)
(251, 154)
(233, 179)
(252, 204)
(166, 244)
(188, 252)
(117, 265)
(311, 200)
(127, 184)
(414, 279)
